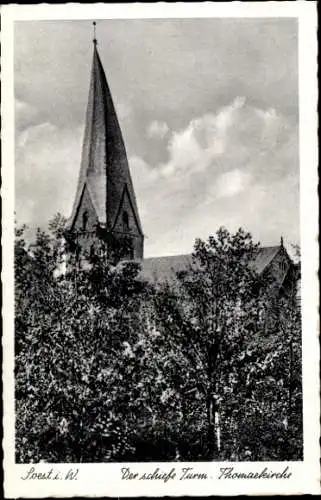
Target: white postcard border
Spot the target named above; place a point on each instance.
(105, 479)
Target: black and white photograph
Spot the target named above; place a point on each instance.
(157, 244)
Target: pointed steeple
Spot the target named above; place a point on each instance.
(105, 187)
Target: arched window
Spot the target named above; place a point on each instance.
(84, 220)
(125, 220)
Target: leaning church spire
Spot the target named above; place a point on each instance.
(105, 197)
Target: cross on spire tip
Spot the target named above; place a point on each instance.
(94, 39)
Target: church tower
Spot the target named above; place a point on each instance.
(105, 204)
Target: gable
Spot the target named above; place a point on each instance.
(280, 265)
(86, 213)
(126, 218)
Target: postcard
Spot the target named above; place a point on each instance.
(160, 243)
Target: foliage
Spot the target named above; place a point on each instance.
(109, 368)
(242, 347)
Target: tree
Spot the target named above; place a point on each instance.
(73, 379)
(109, 367)
(218, 310)
(240, 337)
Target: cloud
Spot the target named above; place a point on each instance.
(230, 168)
(205, 138)
(157, 129)
(200, 155)
(171, 69)
(124, 111)
(231, 183)
(23, 108)
(47, 166)
(25, 115)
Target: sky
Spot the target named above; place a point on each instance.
(209, 114)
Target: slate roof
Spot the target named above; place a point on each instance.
(265, 257)
(104, 170)
(164, 269)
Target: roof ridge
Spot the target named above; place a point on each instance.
(276, 247)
